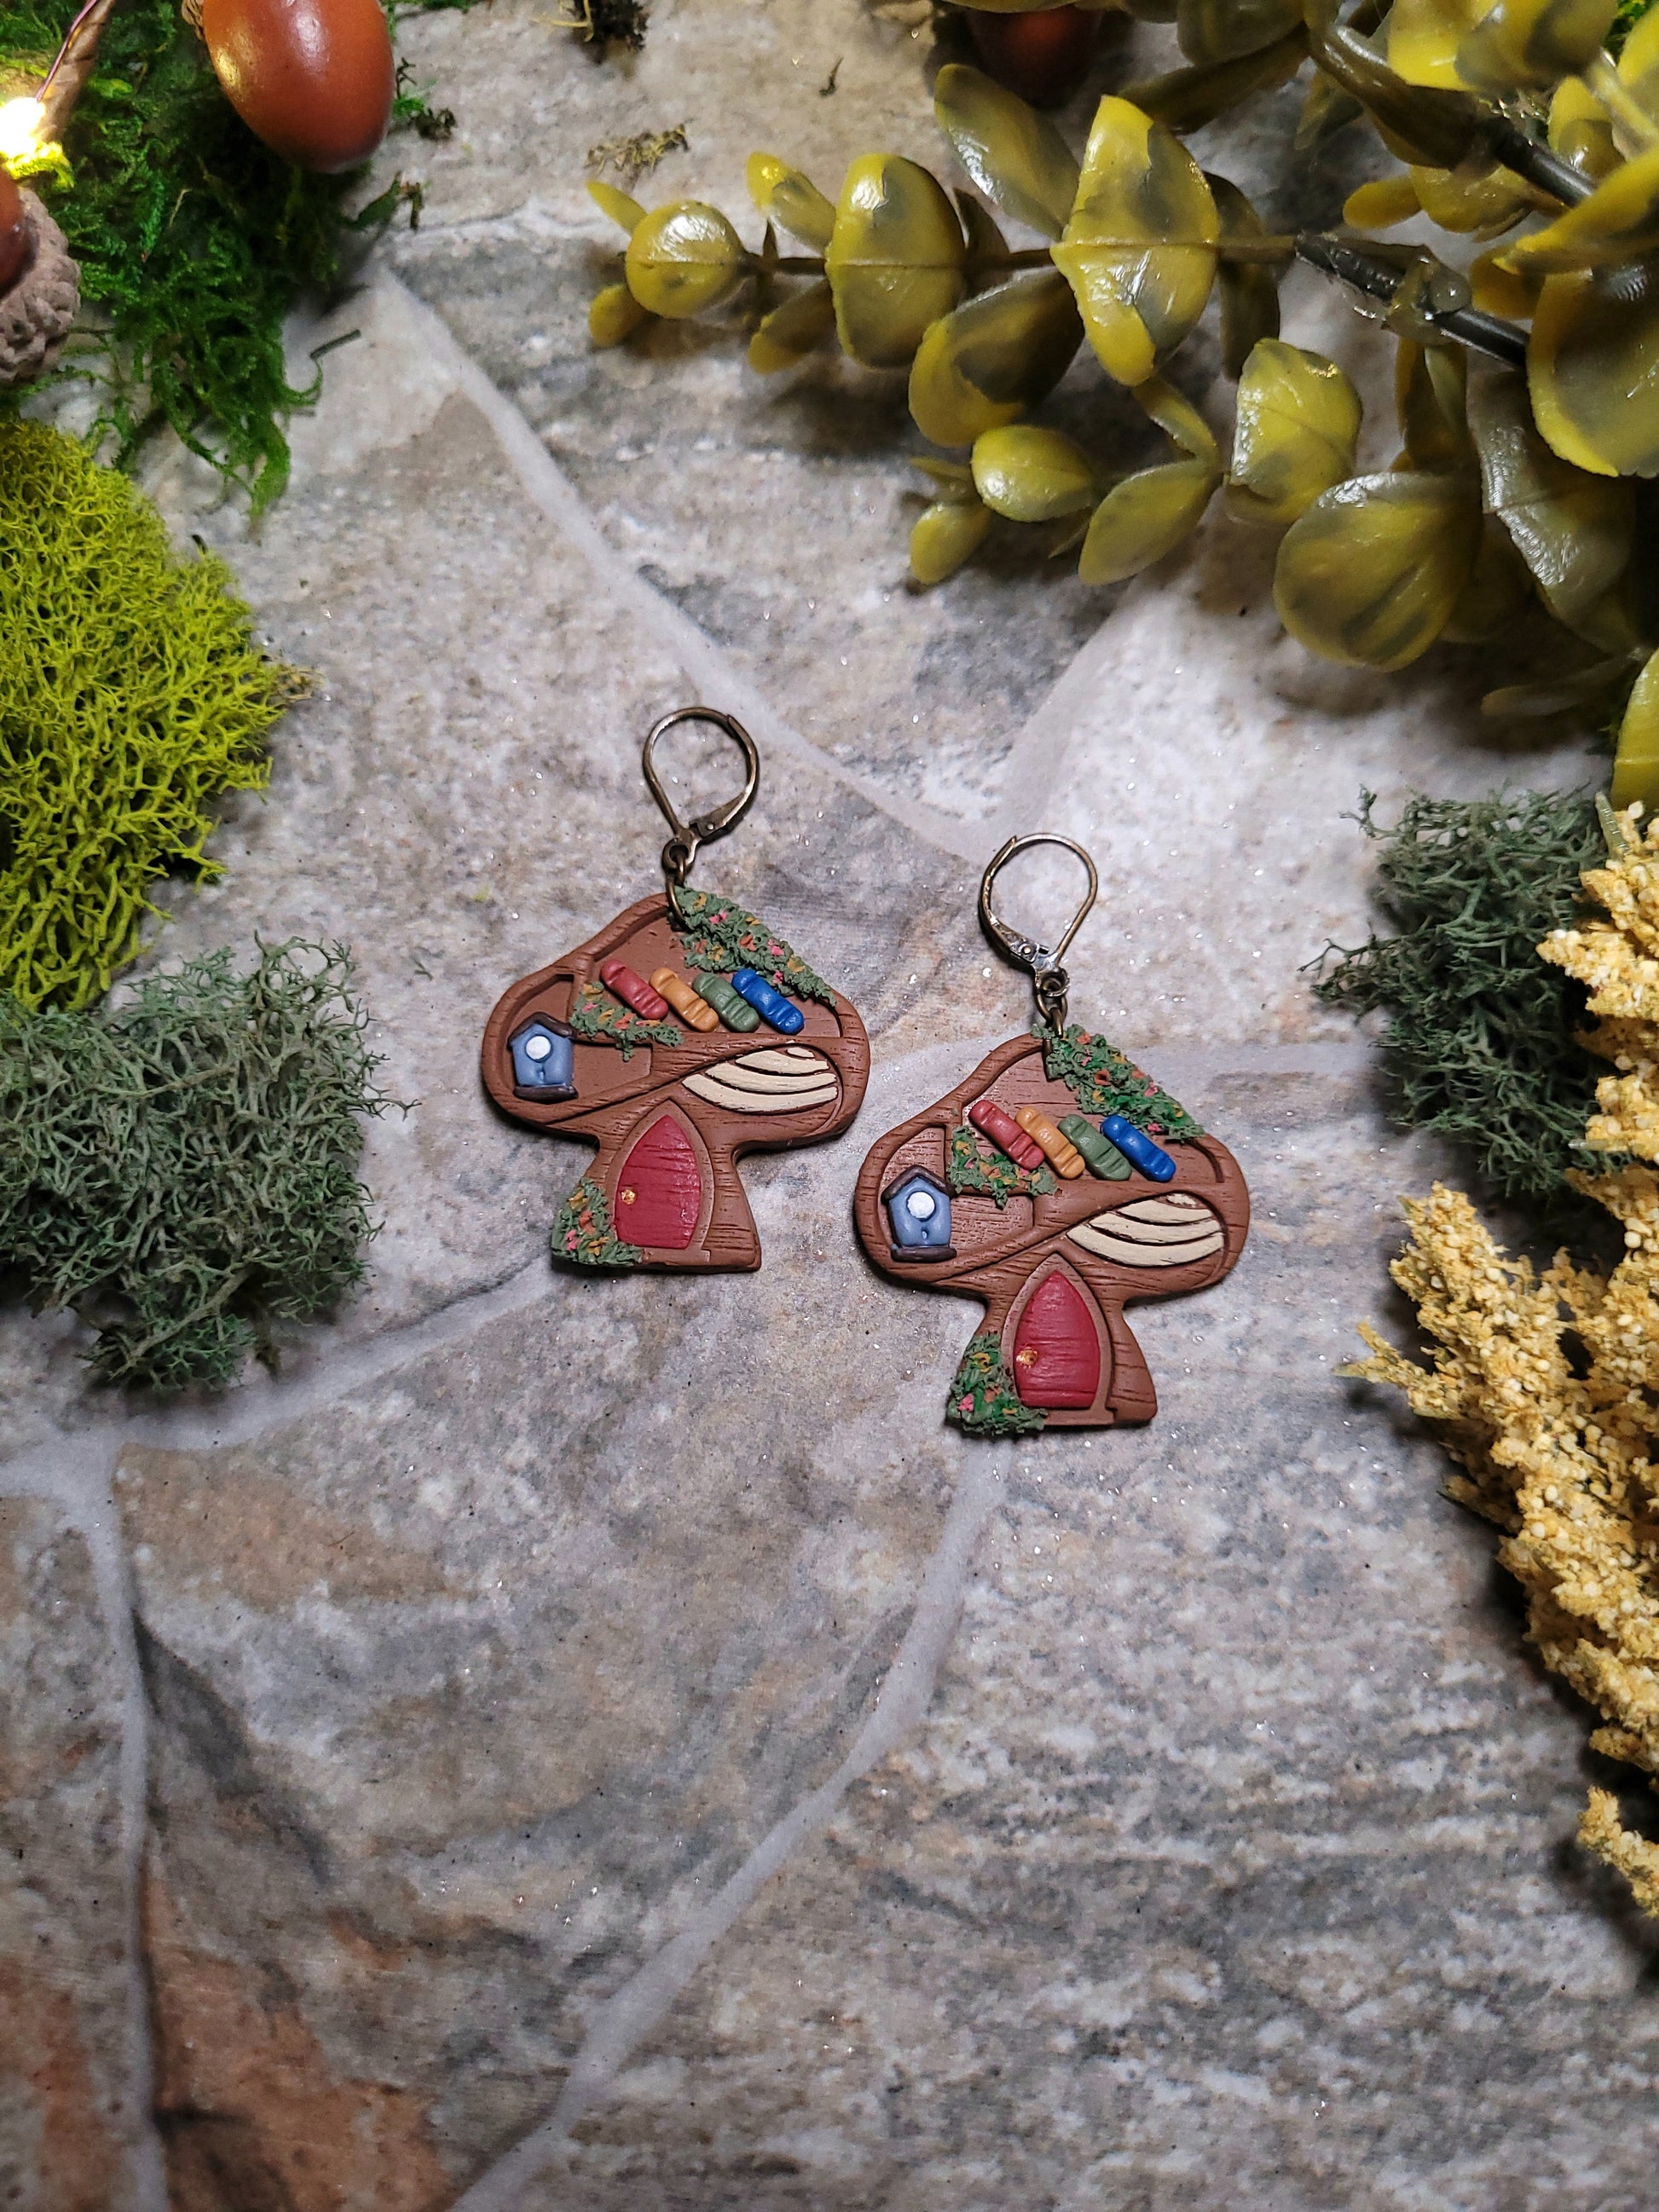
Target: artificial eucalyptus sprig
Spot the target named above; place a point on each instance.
(1527, 384)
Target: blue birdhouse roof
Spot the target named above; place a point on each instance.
(911, 1177)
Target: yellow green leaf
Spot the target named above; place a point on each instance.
(621, 207)
(1140, 248)
(1580, 128)
(684, 258)
(1618, 222)
(1370, 573)
(1527, 44)
(1179, 420)
(994, 358)
(1248, 290)
(1482, 205)
(1143, 518)
(1294, 434)
(1187, 99)
(1593, 371)
(1639, 65)
(1429, 387)
(986, 247)
(1497, 590)
(1418, 116)
(614, 314)
(790, 332)
(1498, 291)
(1424, 36)
(1015, 155)
(895, 259)
(1573, 530)
(1381, 204)
(1224, 30)
(1031, 475)
(952, 480)
(793, 202)
(946, 535)
(1636, 765)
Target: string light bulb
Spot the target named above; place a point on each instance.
(20, 121)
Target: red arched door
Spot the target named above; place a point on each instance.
(659, 1190)
(1057, 1347)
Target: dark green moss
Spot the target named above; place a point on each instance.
(1481, 1043)
(194, 239)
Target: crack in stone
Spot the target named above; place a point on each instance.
(626, 2018)
(546, 486)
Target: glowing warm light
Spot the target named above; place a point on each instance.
(20, 129)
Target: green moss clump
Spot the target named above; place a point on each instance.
(971, 1166)
(182, 1171)
(983, 1401)
(582, 1234)
(598, 1018)
(1102, 1080)
(719, 938)
(1481, 1043)
(131, 695)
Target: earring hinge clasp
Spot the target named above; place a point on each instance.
(1049, 978)
(683, 847)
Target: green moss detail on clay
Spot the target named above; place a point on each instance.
(1482, 1043)
(598, 1018)
(183, 1170)
(721, 937)
(131, 696)
(972, 1166)
(983, 1400)
(1103, 1081)
(582, 1234)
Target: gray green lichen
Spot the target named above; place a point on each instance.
(182, 1171)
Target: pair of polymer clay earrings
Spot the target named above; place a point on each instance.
(1056, 1184)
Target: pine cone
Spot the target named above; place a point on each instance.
(37, 310)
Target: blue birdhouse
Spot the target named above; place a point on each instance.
(544, 1060)
(919, 1207)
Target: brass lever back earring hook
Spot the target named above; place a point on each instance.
(681, 850)
(1049, 980)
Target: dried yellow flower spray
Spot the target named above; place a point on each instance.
(1559, 1450)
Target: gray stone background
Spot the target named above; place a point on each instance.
(567, 1744)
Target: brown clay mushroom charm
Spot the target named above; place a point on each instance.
(1005, 1191)
(682, 1037)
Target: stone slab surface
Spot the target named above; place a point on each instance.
(603, 1744)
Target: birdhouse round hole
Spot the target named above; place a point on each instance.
(919, 1208)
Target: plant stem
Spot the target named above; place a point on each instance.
(66, 80)
(1531, 159)
(1378, 280)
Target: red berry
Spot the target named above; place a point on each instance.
(1041, 55)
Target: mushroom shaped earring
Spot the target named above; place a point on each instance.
(1057, 1184)
(681, 1036)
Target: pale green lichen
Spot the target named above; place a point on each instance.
(182, 1171)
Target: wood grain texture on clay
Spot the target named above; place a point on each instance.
(672, 1122)
(1055, 1270)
